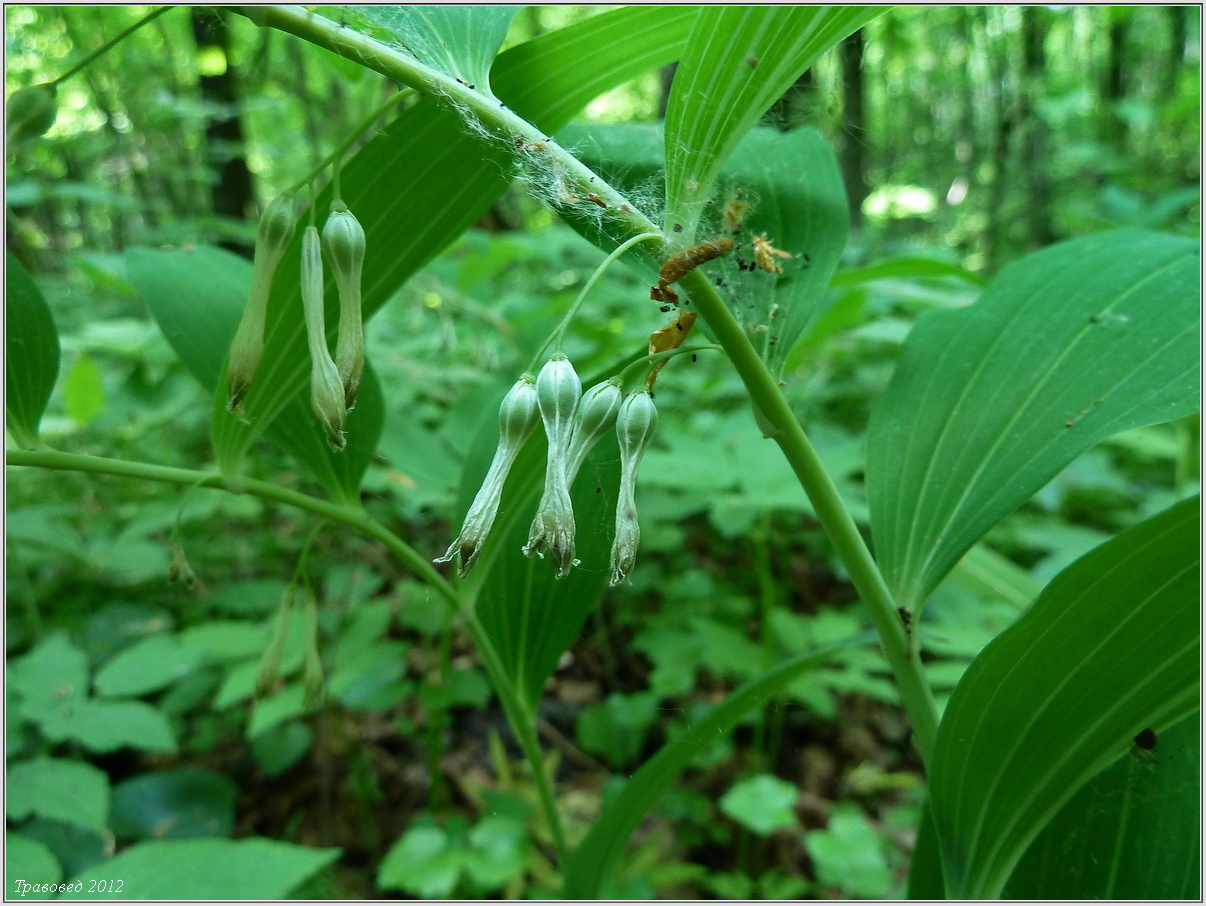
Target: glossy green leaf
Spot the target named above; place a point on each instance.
(31, 354)
(737, 62)
(597, 856)
(208, 869)
(197, 297)
(1110, 647)
(63, 789)
(153, 663)
(793, 192)
(988, 403)
(426, 161)
(458, 41)
(1133, 832)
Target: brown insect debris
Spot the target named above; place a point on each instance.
(678, 266)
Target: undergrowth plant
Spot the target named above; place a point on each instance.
(738, 230)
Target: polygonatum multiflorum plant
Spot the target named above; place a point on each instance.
(739, 240)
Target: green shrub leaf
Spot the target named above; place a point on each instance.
(59, 788)
(763, 803)
(1111, 646)
(1067, 347)
(175, 805)
(31, 354)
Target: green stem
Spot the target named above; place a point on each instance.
(835, 519)
(556, 337)
(477, 103)
(113, 42)
(520, 716)
(343, 146)
(647, 361)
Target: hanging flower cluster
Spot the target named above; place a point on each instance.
(334, 382)
(573, 423)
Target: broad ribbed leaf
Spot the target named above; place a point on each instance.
(459, 41)
(1111, 646)
(1133, 832)
(197, 298)
(597, 856)
(207, 869)
(1067, 347)
(792, 191)
(425, 179)
(738, 61)
(31, 354)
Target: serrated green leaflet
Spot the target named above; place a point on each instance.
(424, 180)
(1111, 646)
(31, 354)
(598, 854)
(1142, 813)
(459, 41)
(1067, 347)
(791, 191)
(738, 61)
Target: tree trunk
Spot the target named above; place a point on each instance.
(996, 236)
(1034, 163)
(1113, 87)
(1178, 32)
(853, 152)
(232, 194)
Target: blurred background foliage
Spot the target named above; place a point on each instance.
(967, 135)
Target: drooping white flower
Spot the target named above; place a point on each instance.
(595, 417)
(516, 419)
(326, 389)
(558, 391)
(343, 244)
(634, 429)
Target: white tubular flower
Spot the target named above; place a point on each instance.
(596, 416)
(277, 225)
(343, 243)
(558, 391)
(634, 428)
(516, 419)
(326, 390)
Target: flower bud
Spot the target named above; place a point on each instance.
(277, 225)
(312, 674)
(270, 663)
(343, 243)
(634, 429)
(558, 391)
(596, 416)
(326, 390)
(29, 113)
(516, 419)
(179, 569)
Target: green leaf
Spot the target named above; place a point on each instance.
(84, 391)
(209, 869)
(148, 665)
(763, 803)
(423, 862)
(104, 726)
(63, 789)
(794, 195)
(426, 161)
(282, 747)
(738, 61)
(497, 851)
(848, 854)
(1110, 647)
(31, 354)
(597, 856)
(988, 403)
(27, 861)
(458, 41)
(897, 268)
(175, 805)
(1143, 812)
(616, 727)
